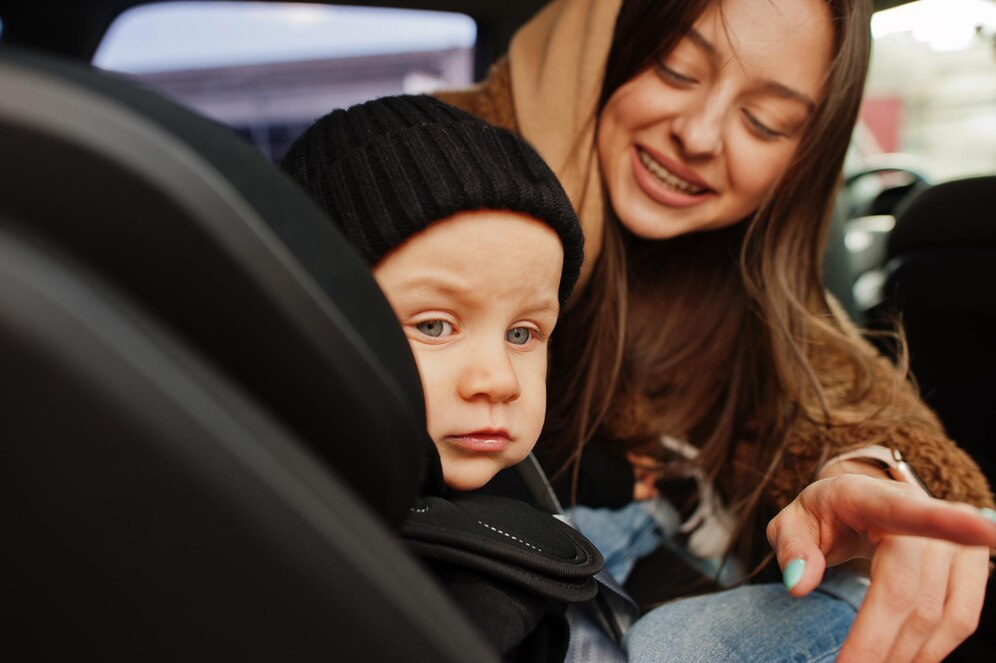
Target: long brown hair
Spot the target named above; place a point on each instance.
(711, 336)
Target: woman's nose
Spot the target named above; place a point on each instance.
(489, 373)
(698, 130)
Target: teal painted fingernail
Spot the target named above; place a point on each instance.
(793, 572)
(988, 514)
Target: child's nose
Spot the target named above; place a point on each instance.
(489, 374)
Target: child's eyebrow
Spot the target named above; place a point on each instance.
(436, 285)
(548, 306)
(445, 287)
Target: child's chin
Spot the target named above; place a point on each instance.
(465, 479)
(463, 485)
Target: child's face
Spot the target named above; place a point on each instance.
(477, 297)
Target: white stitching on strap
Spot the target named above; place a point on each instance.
(422, 510)
(514, 538)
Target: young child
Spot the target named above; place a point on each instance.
(476, 247)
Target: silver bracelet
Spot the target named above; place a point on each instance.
(889, 460)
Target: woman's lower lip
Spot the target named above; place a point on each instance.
(651, 185)
(481, 443)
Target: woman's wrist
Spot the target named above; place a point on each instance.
(852, 467)
(874, 460)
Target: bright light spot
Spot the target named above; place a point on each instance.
(946, 25)
(299, 15)
(858, 241)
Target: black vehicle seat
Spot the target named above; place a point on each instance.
(211, 421)
(941, 280)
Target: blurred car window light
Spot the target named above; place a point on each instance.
(269, 69)
(184, 35)
(931, 92)
(945, 25)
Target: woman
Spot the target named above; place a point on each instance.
(701, 143)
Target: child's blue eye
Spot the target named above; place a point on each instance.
(519, 335)
(434, 328)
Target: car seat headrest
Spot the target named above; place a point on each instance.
(206, 236)
(950, 215)
(153, 511)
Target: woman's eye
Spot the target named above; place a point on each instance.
(761, 129)
(519, 335)
(434, 328)
(675, 76)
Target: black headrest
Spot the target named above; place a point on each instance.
(204, 396)
(153, 511)
(203, 234)
(952, 215)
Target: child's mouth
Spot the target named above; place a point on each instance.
(488, 441)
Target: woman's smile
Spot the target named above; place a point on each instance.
(668, 183)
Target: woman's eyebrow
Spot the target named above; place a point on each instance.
(770, 86)
(702, 42)
(781, 90)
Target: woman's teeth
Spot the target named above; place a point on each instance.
(667, 177)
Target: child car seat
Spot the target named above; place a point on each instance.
(212, 425)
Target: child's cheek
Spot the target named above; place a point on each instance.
(533, 402)
(430, 390)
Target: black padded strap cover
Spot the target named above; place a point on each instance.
(507, 539)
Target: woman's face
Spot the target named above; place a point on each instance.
(696, 141)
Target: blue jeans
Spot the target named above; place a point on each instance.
(625, 535)
(749, 623)
(746, 623)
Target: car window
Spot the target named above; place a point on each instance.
(931, 92)
(269, 69)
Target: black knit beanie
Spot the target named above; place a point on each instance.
(384, 170)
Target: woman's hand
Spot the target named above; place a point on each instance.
(929, 562)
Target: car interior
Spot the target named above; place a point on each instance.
(197, 374)
(205, 389)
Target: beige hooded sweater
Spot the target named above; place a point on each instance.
(546, 90)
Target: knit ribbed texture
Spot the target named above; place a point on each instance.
(384, 170)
